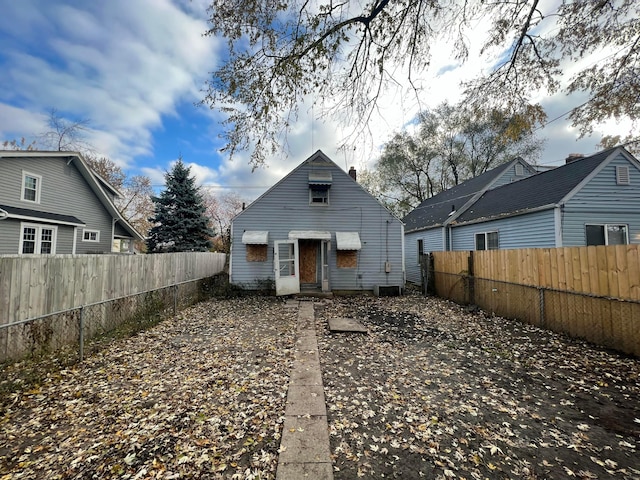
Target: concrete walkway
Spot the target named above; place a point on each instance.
(304, 447)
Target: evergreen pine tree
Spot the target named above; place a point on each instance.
(180, 224)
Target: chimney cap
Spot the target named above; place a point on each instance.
(572, 157)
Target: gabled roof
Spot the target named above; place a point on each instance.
(318, 162)
(435, 211)
(96, 185)
(543, 190)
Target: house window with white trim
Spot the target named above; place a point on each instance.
(319, 195)
(487, 241)
(38, 239)
(607, 234)
(31, 187)
(90, 235)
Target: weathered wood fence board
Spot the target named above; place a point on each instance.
(32, 286)
(587, 292)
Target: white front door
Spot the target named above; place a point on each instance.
(286, 267)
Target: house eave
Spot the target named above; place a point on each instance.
(506, 215)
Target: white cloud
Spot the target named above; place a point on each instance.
(121, 64)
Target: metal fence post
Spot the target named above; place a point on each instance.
(175, 299)
(542, 319)
(81, 339)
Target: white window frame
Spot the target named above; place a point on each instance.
(606, 231)
(486, 240)
(38, 179)
(86, 231)
(420, 249)
(311, 196)
(38, 240)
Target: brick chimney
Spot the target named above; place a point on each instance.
(352, 174)
(572, 157)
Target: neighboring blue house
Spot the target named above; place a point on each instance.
(53, 203)
(317, 229)
(591, 200)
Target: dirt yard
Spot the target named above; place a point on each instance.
(432, 391)
(436, 392)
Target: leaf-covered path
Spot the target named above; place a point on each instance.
(432, 391)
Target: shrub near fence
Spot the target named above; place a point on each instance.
(586, 292)
(47, 301)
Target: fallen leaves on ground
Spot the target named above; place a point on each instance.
(434, 391)
(198, 396)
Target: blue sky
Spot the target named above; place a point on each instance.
(136, 68)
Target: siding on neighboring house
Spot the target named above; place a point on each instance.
(602, 201)
(510, 175)
(535, 230)
(285, 207)
(432, 242)
(63, 191)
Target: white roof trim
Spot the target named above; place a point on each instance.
(309, 234)
(348, 241)
(255, 237)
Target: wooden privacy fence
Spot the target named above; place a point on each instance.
(586, 292)
(52, 289)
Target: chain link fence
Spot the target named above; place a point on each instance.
(99, 321)
(606, 321)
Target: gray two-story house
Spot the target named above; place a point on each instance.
(590, 200)
(53, 203)
(317, 230)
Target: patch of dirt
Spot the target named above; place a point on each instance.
(435, 391)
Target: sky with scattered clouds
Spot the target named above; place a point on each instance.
(136, 69)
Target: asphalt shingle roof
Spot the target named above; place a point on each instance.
(545, 188)
(435, 210)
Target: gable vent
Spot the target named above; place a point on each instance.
(622, 175)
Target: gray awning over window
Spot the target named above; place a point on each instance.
(348, 241)
(254, 237)
(320, 178)
(309, 235)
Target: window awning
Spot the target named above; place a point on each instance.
(255, 237)
(320, 178)
(348, 241)
(309, 235)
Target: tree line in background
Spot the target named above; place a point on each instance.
(448, 145)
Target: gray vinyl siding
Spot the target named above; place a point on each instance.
(432, 242)
(510, 176)
(602, 201)
(9, 236)
(285, 207)
(533, 230)
(63, 191)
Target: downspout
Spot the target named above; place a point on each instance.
(557, 221)
(75, 240)
(113, 232)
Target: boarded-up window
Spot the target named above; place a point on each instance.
(256, 253)
(347, 258)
